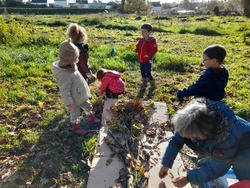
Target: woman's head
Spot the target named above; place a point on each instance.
(76, 33)
(199, 120)
(100, 73)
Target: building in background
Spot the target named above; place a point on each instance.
(42, 2)
(156, 6)
(64, 3)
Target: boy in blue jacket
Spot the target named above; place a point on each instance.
(209, 127)
(213, 80)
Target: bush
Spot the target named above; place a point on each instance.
(91, 21)
(118, 26)
(206, 31)
(57, 23)
(172, 63)
(184, 31)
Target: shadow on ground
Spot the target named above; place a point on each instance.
(146, 93)
(59, 158)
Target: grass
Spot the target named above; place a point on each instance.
(37, 148)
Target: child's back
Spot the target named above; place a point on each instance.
(111, 83)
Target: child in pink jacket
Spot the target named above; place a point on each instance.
(111, 83)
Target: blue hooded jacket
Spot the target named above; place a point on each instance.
(222, 149)
(211, 85)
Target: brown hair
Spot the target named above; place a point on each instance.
(76, 33)
(216, 51)
(100, 73)
(147, 26)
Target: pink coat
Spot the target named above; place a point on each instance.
(113, 81)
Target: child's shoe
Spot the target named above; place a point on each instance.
(75, 128)
(92, 120)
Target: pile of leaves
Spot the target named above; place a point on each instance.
(134, 138)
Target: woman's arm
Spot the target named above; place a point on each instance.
(174, 146)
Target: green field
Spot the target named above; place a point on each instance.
(37, 149)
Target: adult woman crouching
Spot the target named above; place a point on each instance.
(209, 127)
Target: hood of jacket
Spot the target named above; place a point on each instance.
(113, 74)
(57, 70)
(223, 115)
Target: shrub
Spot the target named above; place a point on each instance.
(172, 63)
(57, 23)
(162, 18)
(206, 31)
(184, 31)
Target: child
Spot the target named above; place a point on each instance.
(73, 88)
(146, 48)
(213, 80)
(111, 83)
(79, 37)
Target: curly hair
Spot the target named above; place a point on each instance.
(76, 33)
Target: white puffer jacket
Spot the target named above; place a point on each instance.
(73, 87)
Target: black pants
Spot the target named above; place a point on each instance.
(109, 94)
(146, 70)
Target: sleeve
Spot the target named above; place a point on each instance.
(153, 48)
(65, 90)
(174, 146)
(84, 59)
(137, 47)
(198, 88)
(221, 160)
(104, 84)
(206, 173)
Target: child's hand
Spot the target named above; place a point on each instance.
(71, 106)
(145, 56)
(91, 79)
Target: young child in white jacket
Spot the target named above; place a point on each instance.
(73, 88)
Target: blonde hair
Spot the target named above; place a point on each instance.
(100, 73)
(76, 33)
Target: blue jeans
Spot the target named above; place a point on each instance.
(146, 70)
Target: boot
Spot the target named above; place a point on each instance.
(75, 128)
(144, 82)
(152, 84)
(92, 120)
